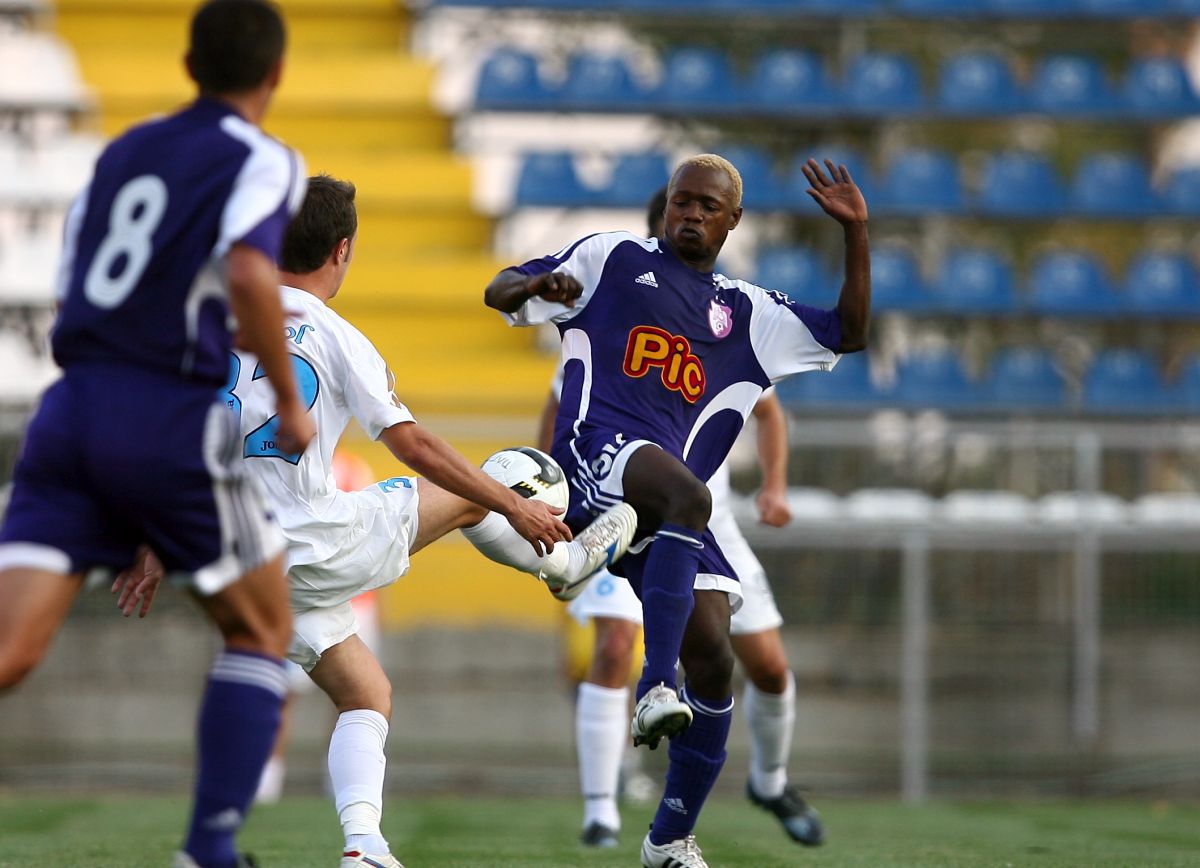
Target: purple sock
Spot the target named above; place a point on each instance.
(236, 730)
(696, 755)
(667, 600)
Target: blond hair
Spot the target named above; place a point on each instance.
(714, 161)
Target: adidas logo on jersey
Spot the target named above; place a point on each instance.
(647, 279)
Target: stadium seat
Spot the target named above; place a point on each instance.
(848, 386)
(601, 83)
(635, 178)
(1024, 379)
(1020, 184)
(921, 181)
(952, 8)
(1188, 385)
(1180, 508)
(1125, 381)
(697, 80)
(996, 507)
(975, 281)
(1073, 508)
(1031, 8)
(799, 272)
(1182, 192)
(1124, 8)
(26, 373)
(509, 80)
(1072, 283)
(549, 178)
(761, 190)
(883, 84)
(39, 71)
(1163, 284)
(896, 282)
(790, 81)
(889, 505)
(1160, 87)
(1070, 85)
(1113, 185)
(978, 83)
(935, 380)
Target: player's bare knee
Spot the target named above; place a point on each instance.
(689, 505)
(17, 660)
(709, 669)
(771, 678)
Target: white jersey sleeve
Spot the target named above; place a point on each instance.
(368, 386)
(584, 260)
(268, 191)
(790, 338)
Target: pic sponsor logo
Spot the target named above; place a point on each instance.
(649, 348)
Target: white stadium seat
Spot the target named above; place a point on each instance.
(1004, 507)
(890, 505)
(1076, 507)
(1175, 508)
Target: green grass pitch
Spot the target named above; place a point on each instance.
(454, 832)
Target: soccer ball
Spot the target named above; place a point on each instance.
(530, 473)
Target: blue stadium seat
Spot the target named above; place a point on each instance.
(509, 79)
(790, 81)
(1190, 8)
(797, 184)
(1070, 85)
(1072, 283)
(549, 178)
(921, 181)
(896, 282)
(760, 187)
(1160, 87)
(1125, 381)
(847, 387)
(1113, 184)
(1031, 8)
(1163, 284)
(1182, 192)
(697, 80)
(978, 83)
(953, 8)
(1188, 385)
(635, 178)
(883, 84)
(822, 7)
(935, 379)
(798, 272)
(603, 83)
(975, 281)
(1020, 184)
(1124, 8)
(1024, 379)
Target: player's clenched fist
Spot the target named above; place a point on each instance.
(555, 286)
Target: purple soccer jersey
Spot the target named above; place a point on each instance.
(142, 276)
(657, 351)
(132, 445)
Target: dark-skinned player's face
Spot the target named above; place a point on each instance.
(700, 213)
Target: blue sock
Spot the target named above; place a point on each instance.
(668, 595)
(696, 755)
(239, 718)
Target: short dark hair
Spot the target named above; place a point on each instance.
(326, 217)
(655, 208)
(234, 44)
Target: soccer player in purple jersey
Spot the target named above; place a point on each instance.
(180, 225)
(663, 361)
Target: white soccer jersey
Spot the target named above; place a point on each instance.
(340, 376)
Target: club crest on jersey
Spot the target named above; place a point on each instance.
(720, 318)
(649, 347)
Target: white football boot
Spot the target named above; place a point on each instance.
(356, 859)
(681, 853)
(659, 713)
(599, 544)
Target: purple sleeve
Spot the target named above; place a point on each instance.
(267, 236)
(825, 325)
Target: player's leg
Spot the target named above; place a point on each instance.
(698, 753)
(33, 604)
(350, 675)
(676, 504)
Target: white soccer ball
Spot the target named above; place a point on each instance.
(529, 472)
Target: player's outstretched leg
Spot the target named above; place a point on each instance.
(570, 564)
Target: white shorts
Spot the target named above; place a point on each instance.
(609, 596)
(374, 555)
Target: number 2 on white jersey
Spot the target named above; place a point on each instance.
(137, 209)
(260, 443)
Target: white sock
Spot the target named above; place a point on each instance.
(270, 782)
(601, 730)
(497, 541)
(356, 767)
(771, 718)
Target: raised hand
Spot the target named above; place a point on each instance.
(837, 194)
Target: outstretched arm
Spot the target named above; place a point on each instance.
(441, 464)
(510, 289)
(840, 198)
(772, 461)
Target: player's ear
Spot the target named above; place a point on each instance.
(275, 75)
(187, 65)
(735, 218)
